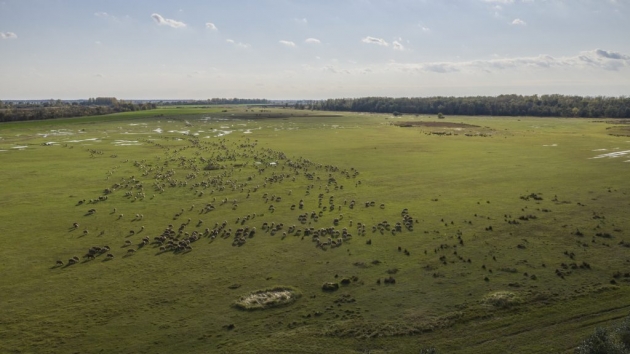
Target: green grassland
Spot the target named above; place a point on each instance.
(518, 237)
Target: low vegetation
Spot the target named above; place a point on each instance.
(610, 340)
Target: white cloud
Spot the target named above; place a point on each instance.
(373, 40)
(611, 55)
(210, 25)
(519, 22)
(8, 35)
(398, 46)
(597, 59)
(333, 70)
(238, 44)
(312, 40)
(301, 21)
(287, 43)
(500, 1)
(167, 21)
(105, 15)
(425, 29)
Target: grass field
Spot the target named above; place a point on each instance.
(514, 239)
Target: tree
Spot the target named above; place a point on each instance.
(440, 115)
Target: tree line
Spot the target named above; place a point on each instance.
(503, 105)
(216, 101)
(13, 112)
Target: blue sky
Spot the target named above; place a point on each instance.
(285, 49)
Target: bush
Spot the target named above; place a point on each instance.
(600, 342)
(613, 340)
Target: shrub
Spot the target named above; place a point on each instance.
(600, 342)
(613, 340)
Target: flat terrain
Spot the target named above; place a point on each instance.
(484, 235)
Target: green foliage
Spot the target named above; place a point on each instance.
(601, 342)
(503, 105)
(611, 340)
(58, 109)
(217, 101)
(622, 331)
(103, 101)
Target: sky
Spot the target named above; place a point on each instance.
(307, 49)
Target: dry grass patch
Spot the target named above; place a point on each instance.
(268, 298)
(502, 299)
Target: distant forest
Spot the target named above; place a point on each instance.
(504, 105)
(12, 112)
(216, 101)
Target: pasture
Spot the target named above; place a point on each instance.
(214, 230)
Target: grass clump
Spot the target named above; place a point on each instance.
(268, 298)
